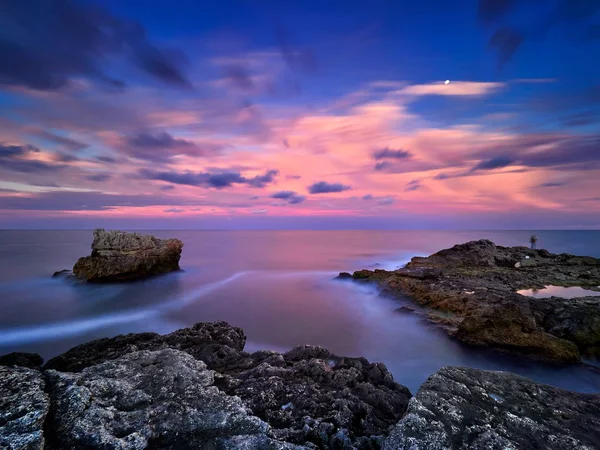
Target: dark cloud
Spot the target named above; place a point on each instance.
(412, 185)
(67, 143)
(161, 147)
(14, 158)
(581, 118)
(167, 187)
(323, 187)
(497, 162)
(550, 184)
(383, 165)
(44, 44)
(506, 41)
(216, 180)
(99, 177)
(293, 177)
(290, 197)
(106, 159)
(174, 210)
(254, 197)
(66, 157)
(386, 201)
(491, 10)
(368, 197)
(388, 153)
(239, 76)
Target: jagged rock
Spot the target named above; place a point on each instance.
(122, 256)
(459, 408)
(329, 398)
(150, 399)
(23, 408)
(474, 285)
(31, 360)
(204, 339)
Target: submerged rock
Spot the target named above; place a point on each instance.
(462, 408)
(150, 399)
(474, 285)
(23, 408)
(122, 256)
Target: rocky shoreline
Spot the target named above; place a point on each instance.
(470, 290)
(197, 388)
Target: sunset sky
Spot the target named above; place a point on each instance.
(300, 114)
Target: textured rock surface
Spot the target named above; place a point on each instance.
(122, 256)
(474, 285)
(205, 341)
(306, 395)
(469, 409)
(162, 400)
(23, 408)
(31, 360)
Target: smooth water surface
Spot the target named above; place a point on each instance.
(277, 285)
(559, 291)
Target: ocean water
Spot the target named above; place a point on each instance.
(277, 285)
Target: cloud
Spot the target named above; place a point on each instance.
(551, 184)
(506, 41)
(368, 197)
(290, 196)
(412, 185)
(167, 187)
(386, 201)
(323, 187)
(174, 210)
(259, 211)
(293, 177)
(454, 88)
(388, 153)
(216, 180)
(18, 158)
(99, 177)
(239, 76)
(497, 162)
(67, 143)
(44, 45)
(162, 147)
(383, 165)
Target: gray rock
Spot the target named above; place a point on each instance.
(470, 409)
(122, 256)
(23, 408)
(150, 399)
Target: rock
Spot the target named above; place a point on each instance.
(306, 395)
(405, 310)
(470, 290)
(150, 399)
(462, 408)
(31, 360)
(344, 276)
(122, 256)
(23, 408)
(204, 339)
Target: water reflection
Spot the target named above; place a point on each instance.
(559, 291)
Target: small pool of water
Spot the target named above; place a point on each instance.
(559, 291)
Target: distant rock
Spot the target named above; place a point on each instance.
(23, 408)
(31, 360)
(122, 256)
(459, 408)
(471, 291)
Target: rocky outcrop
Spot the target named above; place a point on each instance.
(122, 256)
(23, 408)
(470, 289)
(197, 388)
(461, 408)
(31, 360)
(150, 399)
(307, 395)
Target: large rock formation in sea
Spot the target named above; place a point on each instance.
(471, 291)
(123, 256)
(197, 388)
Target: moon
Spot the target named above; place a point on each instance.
(447, 82)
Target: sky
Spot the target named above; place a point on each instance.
(147, 114)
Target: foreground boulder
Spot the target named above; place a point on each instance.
(23, 408)
(161, 400)
(470, 289)
(307, 395)
(122, 256)
(462, 408)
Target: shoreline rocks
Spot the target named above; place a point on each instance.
(474, 286)
(122, 256)
(198, 388)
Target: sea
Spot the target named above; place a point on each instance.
(279, 286)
